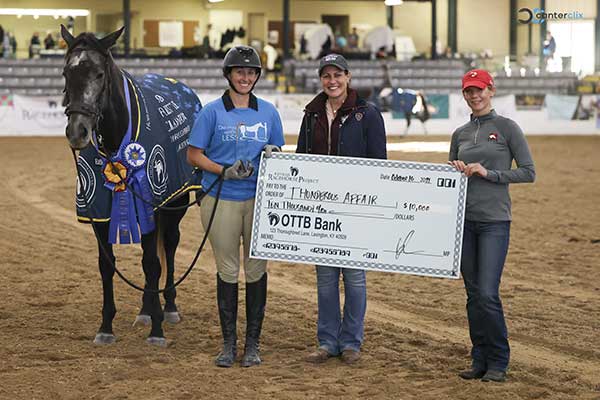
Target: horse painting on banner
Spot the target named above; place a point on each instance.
(132, 138)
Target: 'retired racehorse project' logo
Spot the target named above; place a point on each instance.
(156, 169)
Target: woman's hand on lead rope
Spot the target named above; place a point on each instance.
(239, 170)
(472, 169)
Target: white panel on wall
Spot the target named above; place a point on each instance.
(223, 19)
(587, 7)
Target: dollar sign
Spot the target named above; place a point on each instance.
(405, 205)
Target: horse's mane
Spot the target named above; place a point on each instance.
(87, 41)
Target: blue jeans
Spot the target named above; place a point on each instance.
(485, 245)
(334, 333)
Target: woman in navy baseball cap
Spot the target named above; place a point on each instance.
(338, 122)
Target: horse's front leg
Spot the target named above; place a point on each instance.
(106, 260)
(170, 221)
(151, 300)
(408, 117)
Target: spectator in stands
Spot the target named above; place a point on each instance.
(34, 44)
(334, 114)
(549, 48)
(49, 42)
(13, 43)
(1, 34)
(303, 44)
(340, 41)
(381, 53)
(35, 38)
(448, 52)
(484, 149)
(175, 52)
(226, 141)
(353, 39)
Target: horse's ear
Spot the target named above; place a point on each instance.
(109, 40)
(66, 35)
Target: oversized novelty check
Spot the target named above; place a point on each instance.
(380, 215)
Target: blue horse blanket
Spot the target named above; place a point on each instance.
(153, 155)
(404, 101)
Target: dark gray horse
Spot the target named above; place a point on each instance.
(129, 131)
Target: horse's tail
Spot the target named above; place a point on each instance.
(161, 252)
(426, 115)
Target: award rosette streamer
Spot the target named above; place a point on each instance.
(129, 210)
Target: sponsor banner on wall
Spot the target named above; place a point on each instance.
(438, 105)
(561, 106)
(587, 108)
(28, 115)
(529, 101)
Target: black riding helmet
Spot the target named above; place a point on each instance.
(241, 56)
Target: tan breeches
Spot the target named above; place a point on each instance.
(232, 221)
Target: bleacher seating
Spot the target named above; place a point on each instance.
(544, 83)
(43, 76)
(366, 74)
(431, 76)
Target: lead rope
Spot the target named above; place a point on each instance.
(105, 253)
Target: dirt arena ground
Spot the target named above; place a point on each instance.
(416, 338)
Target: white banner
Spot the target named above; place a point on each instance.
(27, 115)
(170, 34)
(503, 105)
(381, 215)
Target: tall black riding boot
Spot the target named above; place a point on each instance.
(256, 298)
(227, 300)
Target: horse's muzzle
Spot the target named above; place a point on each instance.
(79, 131)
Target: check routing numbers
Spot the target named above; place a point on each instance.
(377, 213)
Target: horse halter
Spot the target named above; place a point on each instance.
(93, 111)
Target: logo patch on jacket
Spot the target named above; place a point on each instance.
(493, 137)
(358, 116)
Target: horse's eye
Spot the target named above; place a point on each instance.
(100, 75)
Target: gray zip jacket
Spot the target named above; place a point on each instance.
(494, 142)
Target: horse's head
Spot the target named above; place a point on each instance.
(87, 83)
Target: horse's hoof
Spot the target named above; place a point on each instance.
(157, 341)
(142, 319)
(104, 338)
(172, 317)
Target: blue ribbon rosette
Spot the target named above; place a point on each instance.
(123, 171)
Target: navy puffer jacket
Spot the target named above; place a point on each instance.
(357, 130)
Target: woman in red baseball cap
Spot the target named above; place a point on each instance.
(484, 149)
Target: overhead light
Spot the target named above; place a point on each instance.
(44, 12)
(392, 2)
(36, 16)
(215, 1)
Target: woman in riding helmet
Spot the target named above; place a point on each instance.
(227, 140)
